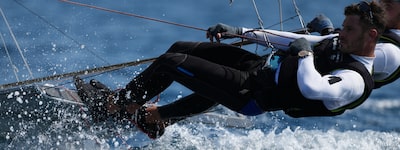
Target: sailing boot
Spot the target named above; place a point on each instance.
(95, 95)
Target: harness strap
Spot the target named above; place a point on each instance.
(390, 37)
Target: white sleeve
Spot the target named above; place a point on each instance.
(337, 89)
(280, 39)
(386, 60)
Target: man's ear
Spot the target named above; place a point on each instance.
(373, 33)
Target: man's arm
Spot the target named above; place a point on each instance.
(280, 39)
(337, 89)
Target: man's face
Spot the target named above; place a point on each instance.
(352, 36)
(392, 10)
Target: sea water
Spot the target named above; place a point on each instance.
(56, 37)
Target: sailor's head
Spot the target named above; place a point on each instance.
(371, 15)
(392, 13)
(363, 24)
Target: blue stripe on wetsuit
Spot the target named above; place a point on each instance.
(185, 71)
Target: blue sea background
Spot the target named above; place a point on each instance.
(56, 37)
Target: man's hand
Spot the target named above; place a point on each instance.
(320, 24)
(222, 31)
(298, 45)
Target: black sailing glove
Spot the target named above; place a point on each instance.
(298, 45)
(320, 24)
(225, 30)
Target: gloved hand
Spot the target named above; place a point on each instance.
(298, 45)
(222, 31)
(95, 95)
(320, 24)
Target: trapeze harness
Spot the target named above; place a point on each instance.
(389, 37)
(286, 95)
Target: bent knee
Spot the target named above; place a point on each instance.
(182, 47)
(172, 59)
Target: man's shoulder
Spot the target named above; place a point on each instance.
(391, 36)
(366, 61)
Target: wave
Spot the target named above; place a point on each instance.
(222, 138)
(204, 136)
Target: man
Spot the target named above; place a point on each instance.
(325, 88)
(386, 63)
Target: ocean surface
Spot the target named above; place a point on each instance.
(47, 37)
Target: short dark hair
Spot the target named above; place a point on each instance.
(371, 15)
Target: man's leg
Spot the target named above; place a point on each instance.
(209, 80)
(215, 53)
(212, 84)
(223, 54)
(195, 103)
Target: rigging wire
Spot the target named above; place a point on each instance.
(266, 39)
(16, 43)
(280, 14)
(153, 19)
(132, 15)
(79, 45)
(281, 22)
(299, 15)
(261, 24)
(15, 69)
(50, 24)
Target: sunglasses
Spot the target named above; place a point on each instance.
(366, 9)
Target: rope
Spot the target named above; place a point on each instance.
(16, 43)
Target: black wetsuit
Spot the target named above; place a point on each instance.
(227, 75)
(222, 64)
